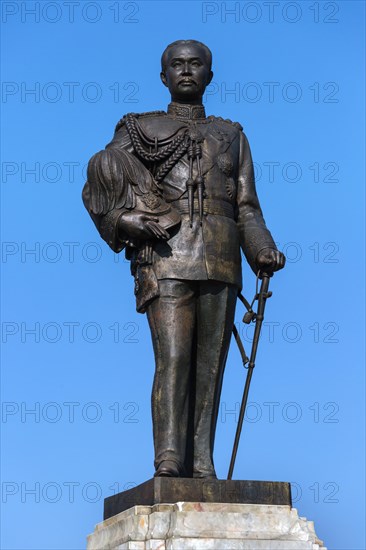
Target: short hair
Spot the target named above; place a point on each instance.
(164, 57)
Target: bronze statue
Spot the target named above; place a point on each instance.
(176, 190)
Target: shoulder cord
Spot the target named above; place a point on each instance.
(172, 152)
(141, 151)
(172, 160)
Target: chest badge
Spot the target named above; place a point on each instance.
(225, 163)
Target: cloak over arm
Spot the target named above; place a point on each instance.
(115, 178)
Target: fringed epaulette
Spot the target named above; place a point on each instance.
(236, 124)
(122, 121)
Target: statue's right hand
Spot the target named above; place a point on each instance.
(142, 226)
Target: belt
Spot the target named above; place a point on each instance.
(210, 206)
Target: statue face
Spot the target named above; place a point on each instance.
(187, 73)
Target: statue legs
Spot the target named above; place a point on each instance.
(215, 317)
(191, 324)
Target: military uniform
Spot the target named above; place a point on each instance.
(202, 167)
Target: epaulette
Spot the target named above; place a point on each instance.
(236, 124)
(122, 121)
(151, 113)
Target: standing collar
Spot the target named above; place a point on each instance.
(186, 111)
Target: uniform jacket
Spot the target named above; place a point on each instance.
(232, 218)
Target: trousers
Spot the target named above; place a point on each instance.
(191, 324)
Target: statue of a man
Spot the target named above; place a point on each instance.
(176, 189)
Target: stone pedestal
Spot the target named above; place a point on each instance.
(169, 490)
(206, 526)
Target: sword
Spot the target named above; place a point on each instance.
(258, 317)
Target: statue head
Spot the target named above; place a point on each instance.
(186, 70)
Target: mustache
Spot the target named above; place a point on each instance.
(190, 80)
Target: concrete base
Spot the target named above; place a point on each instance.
(206, 526)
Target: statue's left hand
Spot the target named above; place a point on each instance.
(270, 260)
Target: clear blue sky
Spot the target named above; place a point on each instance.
(77, 354)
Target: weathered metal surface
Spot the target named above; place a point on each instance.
(176, 190)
